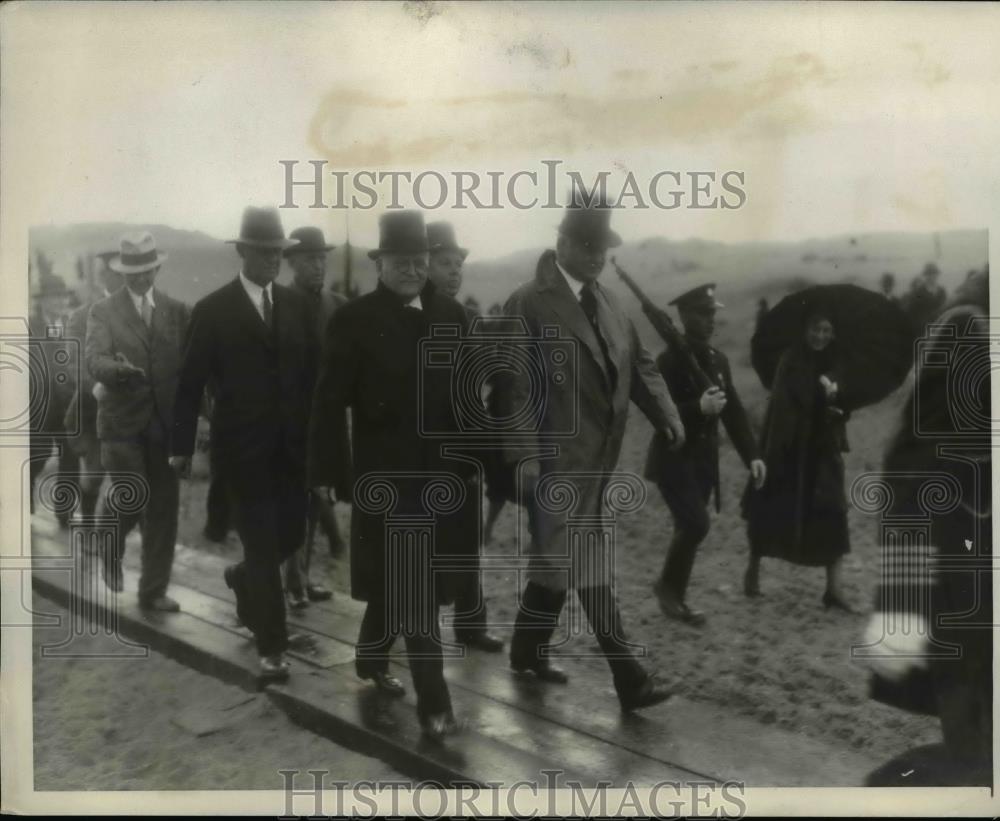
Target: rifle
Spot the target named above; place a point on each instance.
(668, 332)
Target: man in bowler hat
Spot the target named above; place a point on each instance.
(592, 401)
(135, 339)
(446, 259)
(254, 341)
(687, 477)
(371, 365)
(307, 259)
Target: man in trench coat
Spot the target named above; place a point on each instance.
(612, 368)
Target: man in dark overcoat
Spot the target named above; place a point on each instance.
(688, 477)
(371, 366)
(253, 340)
(135, 339)
(582, 418)
(932, 630)
(446, 260)
(307, 260)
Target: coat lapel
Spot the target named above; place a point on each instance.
(563, 302)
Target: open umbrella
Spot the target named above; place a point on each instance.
(874, 338)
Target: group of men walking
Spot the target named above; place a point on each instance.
(314, 400)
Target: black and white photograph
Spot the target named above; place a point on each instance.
(498, 409)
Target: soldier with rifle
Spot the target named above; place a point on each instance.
(700, 381)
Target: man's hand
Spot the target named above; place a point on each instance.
(758, 470)
(898, 652)
(712, 401)
(127, 372)
(181, 466)
(329, 494)
(675, 434)
(829, 386)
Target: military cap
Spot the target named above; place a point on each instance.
(698, 298)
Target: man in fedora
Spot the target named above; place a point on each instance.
(135, 339)
(81, 414)
(252, 340)
(446, 259)
(688, 477)
(592, 401)
(370, 365)
(307, 260)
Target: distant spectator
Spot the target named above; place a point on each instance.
(925, 299)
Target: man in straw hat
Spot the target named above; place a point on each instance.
(252, 339)
(135, 339)
(370, 365)
(689, 476)
(591, 401)
(307, 260)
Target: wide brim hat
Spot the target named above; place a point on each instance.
(308, 240)
(400, 232)
(137, 254)
(590, 224)
(441, 237)
(700, 298)
(261, 228)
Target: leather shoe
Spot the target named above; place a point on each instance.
(388, 684)
(482, 640)
(543, 669)
(297, 601)
(835, 601)
(274, 668)
(163, 604)
(317, 592)
(111, 571)
(438, 725)
(672, 608)
(650, 692)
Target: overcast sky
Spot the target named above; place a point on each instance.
(844, 118)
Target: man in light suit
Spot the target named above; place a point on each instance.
(253, 341)
(133, 355)
(591, 402)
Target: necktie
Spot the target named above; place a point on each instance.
(267, 308)
(147, 311)
(588, 301)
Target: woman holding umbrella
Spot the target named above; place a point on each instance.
(823, 352)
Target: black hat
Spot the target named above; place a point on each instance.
(310, 239)
(441, 237)
(400, 232)
(697, 299)
(261, 227)
(589, 223)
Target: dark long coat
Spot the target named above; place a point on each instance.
(943, 440)
(697, 463)
(262, 380)
(372, 366)
(800, 514)
(582, 411)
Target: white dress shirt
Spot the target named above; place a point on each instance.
(137, 300)
(574, 284)
(256, 293)
(415, 303)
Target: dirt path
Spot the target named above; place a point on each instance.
(153, 724)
